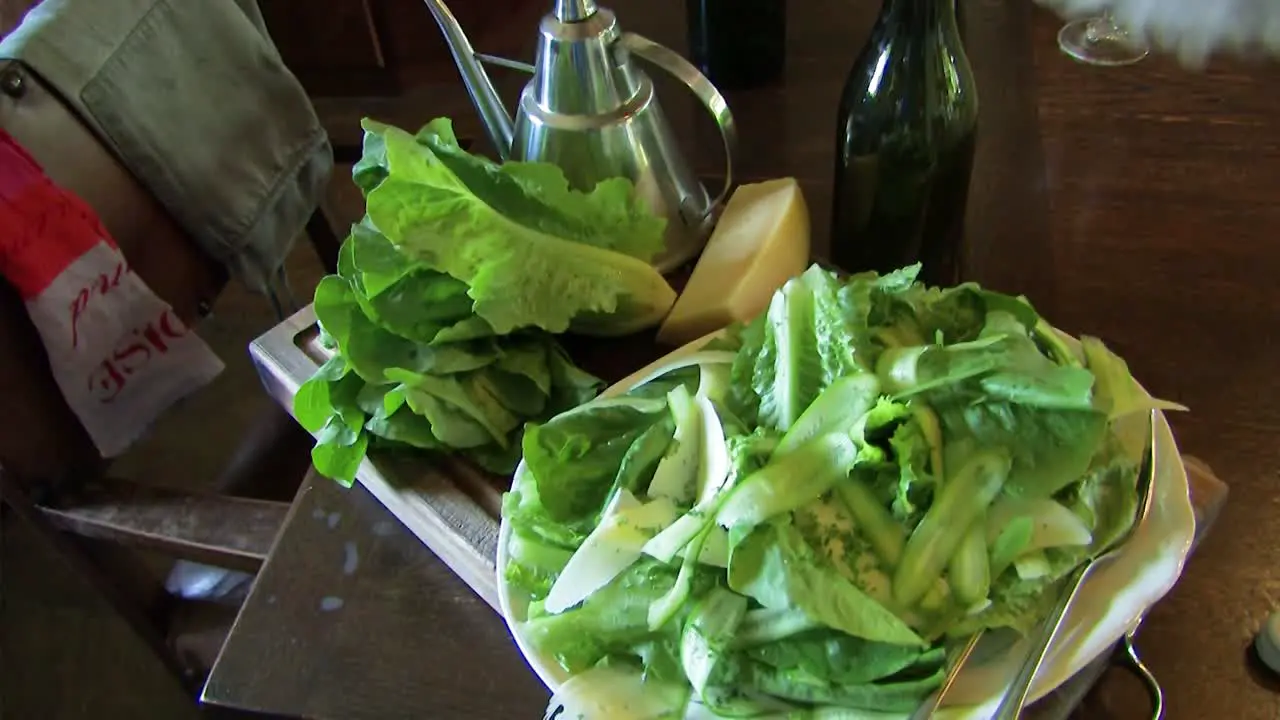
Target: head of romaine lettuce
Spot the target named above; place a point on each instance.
(532, 251)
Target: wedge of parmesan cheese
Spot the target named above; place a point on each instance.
(761, 241)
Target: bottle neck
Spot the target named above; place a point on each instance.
(920, 15)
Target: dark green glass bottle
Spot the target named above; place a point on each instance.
(904, 145)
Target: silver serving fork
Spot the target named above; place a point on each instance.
(1015, 697)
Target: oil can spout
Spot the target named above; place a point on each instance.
(497, 123)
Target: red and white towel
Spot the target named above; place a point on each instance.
(119, 353)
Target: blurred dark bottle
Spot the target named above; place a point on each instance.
(904, 145)
(738, 44)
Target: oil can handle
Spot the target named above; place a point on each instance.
(671, 61)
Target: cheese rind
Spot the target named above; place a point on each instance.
(761, 241)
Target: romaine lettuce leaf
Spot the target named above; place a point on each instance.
(612, 621)
(836, 657)
(454, 400)
(537, 195)
(775, 566)
(370, 350)
(575, 458)
(915, 483)
(1106, 499)
(570, 385)
(327, 406)
(406, 427)
(1051, 448)
(468, 395)
(892, 694)
(432, 375)
(946, 316)
(403, 297)
(532, 252)
(1118, 394)
(523, 509)
(744, 399)
(534, 564)
(642, 458)
(807, 346)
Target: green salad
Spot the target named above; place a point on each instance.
(448, 292)
(793, 520)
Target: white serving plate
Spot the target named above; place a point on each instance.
(1114, 598)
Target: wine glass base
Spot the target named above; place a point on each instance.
(1080, 40)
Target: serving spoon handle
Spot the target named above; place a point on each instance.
(1129, 651)
(1015, 698)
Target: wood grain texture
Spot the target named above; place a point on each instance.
(225, 531)
(1163, 188)
(334, 48)
(1136, 204)
(401, 637)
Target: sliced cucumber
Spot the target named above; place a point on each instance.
(676, 474)
(713, 474)
(835, 410)
(790, 482)
(610, 549)
(955, 508)
(970, 569)
(874, 522)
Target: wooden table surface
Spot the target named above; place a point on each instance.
(1138, 204)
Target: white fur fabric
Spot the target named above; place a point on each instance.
(1193, 30)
